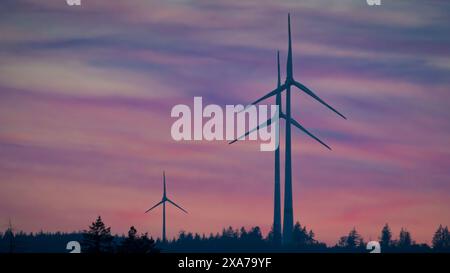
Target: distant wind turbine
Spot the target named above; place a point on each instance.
(288, 219)
(163, 202)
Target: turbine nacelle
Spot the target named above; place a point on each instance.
(289, 81)
(165, 198)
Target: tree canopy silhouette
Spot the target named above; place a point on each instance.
(98, 238)
(404, 240)
(137, 244)
(441, 239)
(352, 242)
(386, 237)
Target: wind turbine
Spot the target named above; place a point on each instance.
(288, 219)
(277, 203)
(276, 192)
(163, 202)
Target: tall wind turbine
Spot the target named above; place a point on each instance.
(288, 219)
(276, 193)
(163, 202)
(276, 198)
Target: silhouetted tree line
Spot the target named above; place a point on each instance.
(243, 240)
(98, 239)
(353, 242)
(39, 242)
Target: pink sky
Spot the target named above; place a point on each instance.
(86, 95)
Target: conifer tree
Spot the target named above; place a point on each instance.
(386, 237)
(98, 238)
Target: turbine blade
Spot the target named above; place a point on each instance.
(164, 183)
(173, 203)
(312, 94)
(278, 69)
(262, 125)
(159, 203)
(289, 69)
(278, 96)
(268, 95)
(296, 124)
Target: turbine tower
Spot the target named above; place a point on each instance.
(276, 194)
(163, 202)
(276, 198)
(288, 219)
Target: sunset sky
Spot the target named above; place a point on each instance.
(86, 94)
